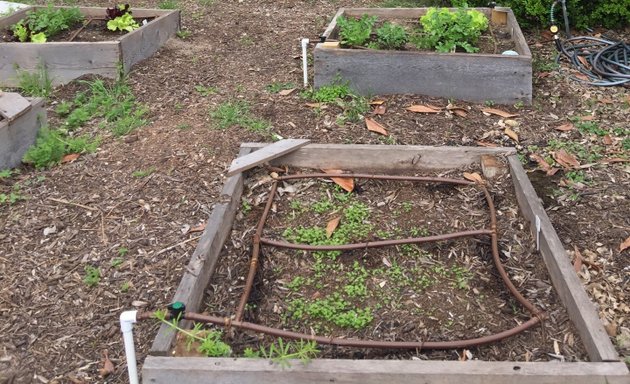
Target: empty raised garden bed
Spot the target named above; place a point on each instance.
(20, 120)
(476, 77)
(68, 60)
(409, 160)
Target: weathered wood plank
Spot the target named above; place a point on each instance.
(472, 77)
(144, 42)
(517, 35)
(565, 280)
(63, 61)
(265, 154)
(158, 370)
(328, 33)
(18, 135)
(380, 158)
(204, 259)
(13, 105)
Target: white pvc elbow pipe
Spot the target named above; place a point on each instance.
(127, 319)
(305, 62)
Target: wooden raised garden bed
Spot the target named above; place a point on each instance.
(20, 120)
(467, 76)
(604, 365)
(69, 60)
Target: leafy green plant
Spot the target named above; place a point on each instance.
(124, 287)
(52, 145)
(63, 108)
(183, 34)
(391, 36)
(209, 342)
(124, 23)
(46, 22)
(355, 32)
(13, 196)
(445, 31)
(92, 276)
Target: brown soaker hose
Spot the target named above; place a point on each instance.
(237, 322)
(467, 343)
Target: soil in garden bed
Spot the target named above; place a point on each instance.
(440, 291)
(494, 40)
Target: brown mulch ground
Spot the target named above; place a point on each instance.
(94, 211)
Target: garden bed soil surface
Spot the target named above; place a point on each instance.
(434, 292)
(56, 328)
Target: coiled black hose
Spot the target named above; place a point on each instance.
(606, 63)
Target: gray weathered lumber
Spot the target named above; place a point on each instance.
(13, 105)
(66, 61)
(466, 76)
(204, 259)
(18, 135)
(144, 42)
(265, 154)
(565, 280)
(158, 370)
(380, 158)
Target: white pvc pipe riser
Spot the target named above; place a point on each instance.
(305, 62)
(127, 319)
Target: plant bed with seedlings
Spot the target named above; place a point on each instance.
(467, 64)
(73, 41)
(394, 294)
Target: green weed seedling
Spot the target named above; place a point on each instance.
(124, 287)
(205, 91)
(52, 145)
(34, 84)
(210, 342)
(143, 172)
(92, 276)
(277, 87)
(236, 113)
(183, 34)
(168, 4)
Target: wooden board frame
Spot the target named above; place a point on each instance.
(66, 61)
(604, 368)
(474, 77)
(18, 134)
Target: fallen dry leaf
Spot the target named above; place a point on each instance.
(423, 109)
(374, 126)
(473, 177)
(70, 158)
(606, 101)
(614, 160)
(587, 118)
(607, 140)
(577, 263)
(498, 112)
(625, 245)
(486, 144)
(347, 183)
(583, 61)
(565, 159)
(581, 76)
(331, 226)
(611, 329)
(565, 127)
(459, 111)
(380, 109)
(316, 105)
(286, 92)
(377, 102)
(511, 134)
(108, 366)
(542, 163)
(198, 228)
(542, 75)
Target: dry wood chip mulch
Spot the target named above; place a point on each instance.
(137, 230)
